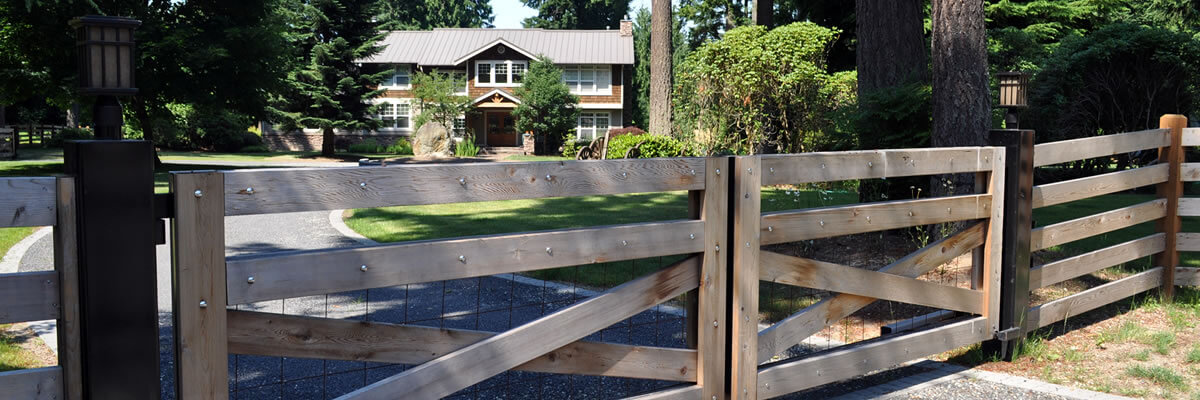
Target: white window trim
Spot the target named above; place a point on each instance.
(592, 114)
(594, 68)
(492, 72)
(408, 69)
(411, 111)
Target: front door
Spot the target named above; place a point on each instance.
(499, 127)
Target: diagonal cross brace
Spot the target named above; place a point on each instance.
(475, 363)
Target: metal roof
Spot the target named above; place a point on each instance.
(447, 45)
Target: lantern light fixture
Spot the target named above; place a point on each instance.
(106, 56)
(1014, 95)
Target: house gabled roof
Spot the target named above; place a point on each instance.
(452, 46)
(495, 92)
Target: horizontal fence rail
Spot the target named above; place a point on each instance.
(872, 164)
(303, 273)
(791, 226)
(1081, 228)
(290, 190)
(1086, 263)
(1087, 300)
(1100, 146)
(1082, 188)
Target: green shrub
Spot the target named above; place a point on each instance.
(401, 147)
(466, 148)
(571, 146)
(257, 148)
(652, 146)
(367, 146)
(68, 134)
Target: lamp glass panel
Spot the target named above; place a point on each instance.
(110, 67)
(126, 71)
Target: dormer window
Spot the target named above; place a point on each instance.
(400, 78)
(496, 73)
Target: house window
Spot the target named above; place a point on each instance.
(460, 126)
(400, 78)
(588, 79)
(395, 116)
(500, 73)
(592, 125)
(460, 82)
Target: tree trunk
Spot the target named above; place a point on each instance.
(764, 12)
(961, 102)
(660, 67)
(73, 115)
(327, 142)
(143, 116)
(891, 44)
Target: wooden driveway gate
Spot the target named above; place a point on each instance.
(450, 360)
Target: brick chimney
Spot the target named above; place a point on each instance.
(626, 27)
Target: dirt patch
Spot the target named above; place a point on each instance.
(21, 348)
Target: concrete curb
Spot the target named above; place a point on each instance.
(12, 259)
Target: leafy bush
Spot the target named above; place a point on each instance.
(367, 146)
(66, 134)
(401, 147)
(571, 145)
(629, 130)
(466, 148)
(223, 131)
(652, 146)
(257, 148)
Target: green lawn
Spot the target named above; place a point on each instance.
(396, 224)
(1082, 208)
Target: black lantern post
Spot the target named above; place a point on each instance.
(106, 58)
(1014, 96)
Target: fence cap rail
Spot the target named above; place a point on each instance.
(263, 191)
(873, 164)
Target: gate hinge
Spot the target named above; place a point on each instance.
(1009, 334)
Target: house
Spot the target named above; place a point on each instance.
(597, 66)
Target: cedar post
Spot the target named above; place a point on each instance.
(744, 250)
(1018, 226)
(711, 305)
(198, 270)
(1171, 190)
(114, 256)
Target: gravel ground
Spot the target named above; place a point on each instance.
(970, 389)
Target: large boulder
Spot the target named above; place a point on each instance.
(432, 140)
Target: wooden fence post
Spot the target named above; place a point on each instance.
(198, 273)
(711, 300)
(745, 247)
(118, 300)
(1172, 189)
(67, 265)
(1018, 226)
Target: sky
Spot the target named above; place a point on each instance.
(510, 13)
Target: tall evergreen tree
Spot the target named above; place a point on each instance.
(548, 109)
(962, 103)
(641, 67)
(331, 89)
(710, 19)
(428, 14)
(577, 14)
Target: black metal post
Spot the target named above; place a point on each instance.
(1018, 225)
(107, 118)
(117, 275)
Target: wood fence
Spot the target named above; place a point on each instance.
(44, 295)
(725, 263)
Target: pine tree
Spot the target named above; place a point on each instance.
(548, 109)
(576, 14)
(331, 89)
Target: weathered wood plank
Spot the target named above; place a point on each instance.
(791, 226)
(310, 189)
(1191, 136)
(1189, 206)
(198, 271)
(28, 296)
(66, 263)
(795, 328)
(791, 376)
(782, 169)
(1171, 191)
(1190, 172)
(822, 275)
(32, 384)
(264, 334)
(1092, 186)
(745, 243)
(714, 282)
(1099, 146)
(302, 273)
(680, 393)
(1187, 241)
(467, 366)
(1068, 231)
(992, 257)
(1187, 276)
(1091, 299)
(27, 201)
(1090, 262)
